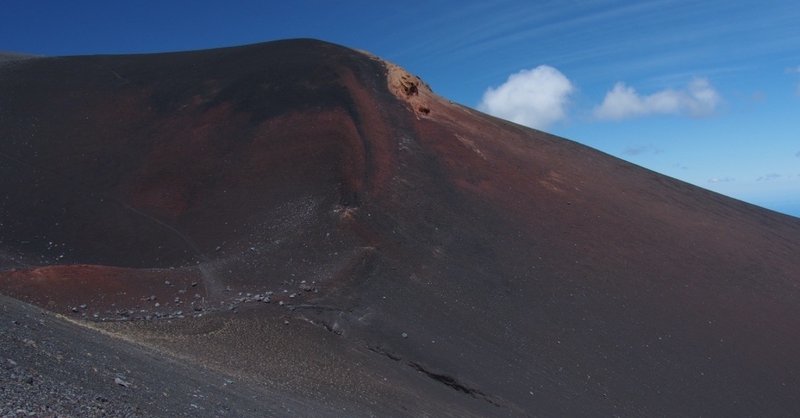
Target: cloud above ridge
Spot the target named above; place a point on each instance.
(699, 98)
(536, 97)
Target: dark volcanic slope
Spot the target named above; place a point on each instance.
(426, 258)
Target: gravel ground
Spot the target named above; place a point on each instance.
(51, 367)
(41, 376)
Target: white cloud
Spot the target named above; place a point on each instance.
(536, 97)
(699, 98)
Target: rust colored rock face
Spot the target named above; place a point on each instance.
(489, 268)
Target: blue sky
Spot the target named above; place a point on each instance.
(704, 91)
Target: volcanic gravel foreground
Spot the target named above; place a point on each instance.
(296, 228)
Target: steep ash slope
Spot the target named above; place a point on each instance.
(439, 260)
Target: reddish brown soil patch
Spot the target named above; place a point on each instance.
(86, 290)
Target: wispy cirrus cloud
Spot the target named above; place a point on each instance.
(721, 179)
(680, 166)
(795, 70)
(699, 98)
(537, 97)
(769, 177)
(643, 149)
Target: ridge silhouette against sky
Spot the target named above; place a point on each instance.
(707, 92)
